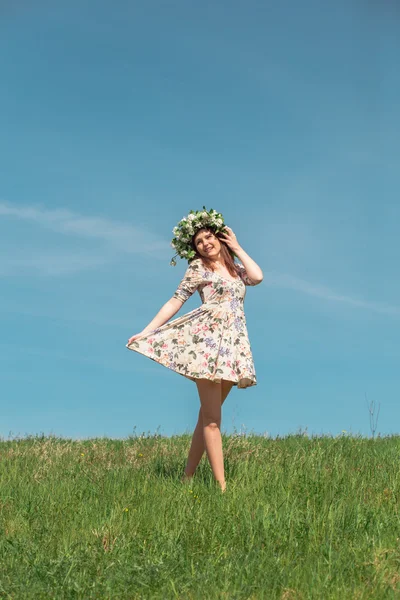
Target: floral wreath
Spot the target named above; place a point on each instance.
(188, 226)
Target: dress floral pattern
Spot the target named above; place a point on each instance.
(211, 341)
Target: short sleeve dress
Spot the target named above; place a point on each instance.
(211, 341)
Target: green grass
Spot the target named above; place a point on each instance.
(302, 517)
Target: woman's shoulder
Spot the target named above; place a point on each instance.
(196, 264)
(197, 268)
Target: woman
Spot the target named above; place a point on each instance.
(210, 344)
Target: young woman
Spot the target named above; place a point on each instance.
(210, 344)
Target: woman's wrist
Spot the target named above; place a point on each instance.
(237, 251)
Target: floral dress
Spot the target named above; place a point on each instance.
(211, 341)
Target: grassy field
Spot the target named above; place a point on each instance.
(303, 517)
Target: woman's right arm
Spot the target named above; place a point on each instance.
(166, 313)
(189, 284)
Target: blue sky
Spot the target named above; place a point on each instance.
(116, 120)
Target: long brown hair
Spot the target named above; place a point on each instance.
(226, 253)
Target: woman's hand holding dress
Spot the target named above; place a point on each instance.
(137, 335)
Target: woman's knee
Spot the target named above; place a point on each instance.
(211, 418)
(208, 421)
(212, 426)
(210, 400)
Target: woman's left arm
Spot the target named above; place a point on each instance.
(252, 269)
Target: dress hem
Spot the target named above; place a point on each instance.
(235, 382)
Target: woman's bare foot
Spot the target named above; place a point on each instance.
(186, 478)
(223, 485)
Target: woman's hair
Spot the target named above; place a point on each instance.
(227, 254)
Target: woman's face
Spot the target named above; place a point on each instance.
(207, 244)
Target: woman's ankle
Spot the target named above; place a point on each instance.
(222, 485)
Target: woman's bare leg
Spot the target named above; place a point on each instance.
(212, 396)
(196, 449)
(197, 446)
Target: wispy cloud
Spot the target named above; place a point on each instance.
(114, 237)
(319, 291)
(121, 236)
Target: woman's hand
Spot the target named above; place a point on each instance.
(137, 335)
(230, 239)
